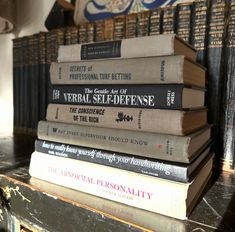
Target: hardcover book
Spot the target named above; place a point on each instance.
(156, 45)
(175, 122)
(152, 167)
(140, 96)
(154, 194)
(152, 145)
(149, 70)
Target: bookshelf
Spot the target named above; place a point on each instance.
(46, 202)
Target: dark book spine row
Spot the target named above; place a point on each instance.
(148, 96)
(200, 26)
(158, 168)
(216, 33)
(228, 104)
(184, 22)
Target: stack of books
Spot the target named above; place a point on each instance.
(126, 121)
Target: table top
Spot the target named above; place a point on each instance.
(55, 208)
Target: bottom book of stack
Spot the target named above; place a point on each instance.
(172, 198)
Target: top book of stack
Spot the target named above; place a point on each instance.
(157, 45)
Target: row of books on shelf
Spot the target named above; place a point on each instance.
(201, 23)
(130, 128)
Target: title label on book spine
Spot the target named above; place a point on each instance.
(101, 50)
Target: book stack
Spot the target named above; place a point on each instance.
(126, 121)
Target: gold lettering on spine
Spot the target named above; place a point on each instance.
(217, 24)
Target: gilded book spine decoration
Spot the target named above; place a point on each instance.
(199, 38)
(184, 21)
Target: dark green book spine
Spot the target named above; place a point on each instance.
(228, 103)
(184, 21)
(200, 29)
(155, 22)
(217, 14)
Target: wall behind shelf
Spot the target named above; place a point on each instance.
(30, 17)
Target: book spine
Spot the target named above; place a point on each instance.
(215, 49)
(71, 35)
(228, 96)
(108, 29)
(200, 29)
(140, 96)
(123, 161)
(31, 107)
(27, 85)
(99, 30)
(142, 23)
(156, 70)
(150, 193)
(119, 27)
(90, 32)
(82, 33)
(131, 22)
(155, 22)
(152, 145)
(162, 121)
(35, 88)
(21, 84)
(184, 21)
(169, 20)
(16, 84)
(42, 75)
